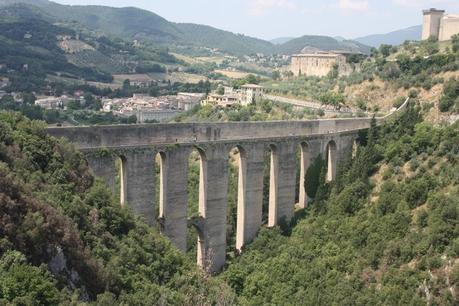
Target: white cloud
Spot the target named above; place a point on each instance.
(353, 5)
(424, 3)
(261, 7)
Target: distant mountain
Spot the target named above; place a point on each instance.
(133, 23)
(339, 38)
(238, 44)
(281, 40)
(392, 38)
(324, 43)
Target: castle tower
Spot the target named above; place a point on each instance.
(431, 23)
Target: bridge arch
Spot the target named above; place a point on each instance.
(238, 156)
(197, 215)
(123, 182)
(273, 185)
(331, 153)
(305, 157)
(161, 160)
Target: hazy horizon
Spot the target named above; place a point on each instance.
(270, 19)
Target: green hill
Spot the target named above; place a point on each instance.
(28, 36)
(201, 35)
(29, 49)
(132, 23)
(324, 43)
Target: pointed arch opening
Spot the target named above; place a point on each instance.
(197, 185)
(331, 151)
(270, 190)
(236, 198)
(121, 179)
(161, 183)
(303, 162)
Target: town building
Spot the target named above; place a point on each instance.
(224, 100)
(186, 100)
(152, 109)
(250, 93)
(53, 102)
(439, 25)
(319, 64)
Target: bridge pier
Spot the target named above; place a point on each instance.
(140, 188)
(213, 196)
(174, 195)
(283, 183)
(250, 194)
(103, 166)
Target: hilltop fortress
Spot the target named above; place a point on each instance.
(319, 63)
(439, 25)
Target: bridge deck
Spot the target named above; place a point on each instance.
(186, 133)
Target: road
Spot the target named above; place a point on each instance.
(313, 105)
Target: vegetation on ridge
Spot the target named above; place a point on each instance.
(63, 238)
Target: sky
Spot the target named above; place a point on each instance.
(268, 19)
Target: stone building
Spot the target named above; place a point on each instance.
(250, 93)
(247, 95)
(318, 64)
(439, 25)
(53, 102)
(225, 100)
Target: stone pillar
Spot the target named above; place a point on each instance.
(140, 187)
(250, 194)
(282, 206)
(103, 166)
(213, 208)
(174, 195)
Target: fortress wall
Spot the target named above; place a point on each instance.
(449, 27)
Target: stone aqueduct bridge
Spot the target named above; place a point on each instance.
(137, 146)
